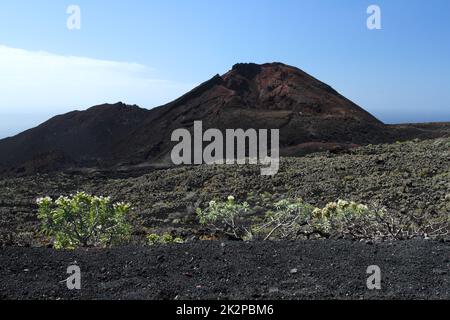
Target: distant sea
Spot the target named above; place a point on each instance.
(12, 124)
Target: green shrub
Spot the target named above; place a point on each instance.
(178, 240)
(166, 238)
(225, 217)
(295, 219)
(154, 239)
(84, 220)
(344, 219)
(286, 221)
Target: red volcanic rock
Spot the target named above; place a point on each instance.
(311, 116)
(268, 96)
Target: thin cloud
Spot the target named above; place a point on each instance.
(34, 79)
(37, 82)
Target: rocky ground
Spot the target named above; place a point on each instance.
(410, 178)
(232, 270)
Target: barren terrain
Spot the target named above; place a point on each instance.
(232, 270)
(411, 178)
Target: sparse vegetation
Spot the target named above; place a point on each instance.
(225, 217)
(154, 239)
(84, 220)
(405, 185)
(287, 220)
(296, 219)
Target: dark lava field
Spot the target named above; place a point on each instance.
(414, 269)
(405, 177)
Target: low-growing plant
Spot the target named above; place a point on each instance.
(166, 238)
(84, 220)
(426, 225)
(154, 239)
(344, 219)
(286, 221)
(178, 240)
(295, 219)
(225, 217)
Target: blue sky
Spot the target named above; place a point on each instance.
(149, 52)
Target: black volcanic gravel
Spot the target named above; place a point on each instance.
(410, 178)
(414, 269)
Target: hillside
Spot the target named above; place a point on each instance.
(311, 117)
